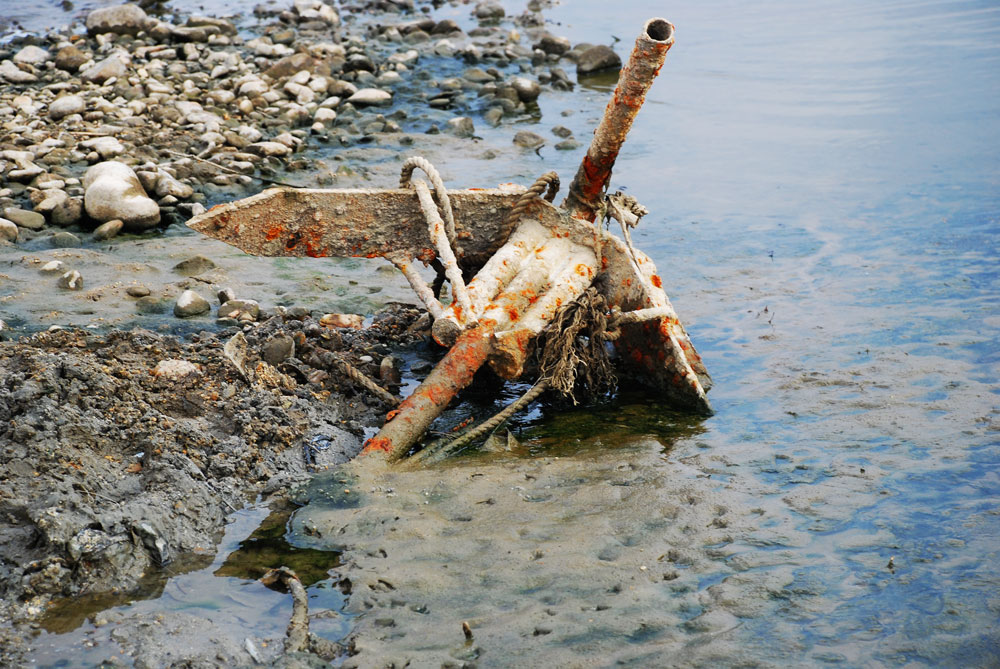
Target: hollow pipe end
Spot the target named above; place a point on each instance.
(659, 30)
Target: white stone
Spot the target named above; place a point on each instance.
(324, 115)
(8, 230)
(106, 147)
(112, 190)
(53, 266)
(15, 75)
(253, 88)
(191, 303)
(66, 105)
(249, 133)
(32, 55)
(269, 149)
(123, 19)
(370, 96)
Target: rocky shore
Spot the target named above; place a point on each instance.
(123, 450)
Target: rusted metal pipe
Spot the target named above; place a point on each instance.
(416, 413)
(584, 198)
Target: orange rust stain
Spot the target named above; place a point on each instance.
(604, 262)
(426, 255)
(392, 414)
(512, 313)
(274, 233)
(583, 270)
(377, 444)
(656, 281)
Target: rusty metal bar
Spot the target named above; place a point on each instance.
(584, 198)
(416, 413)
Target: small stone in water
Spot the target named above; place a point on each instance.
(71, 280)
(194, 266)
(64, 240)
(190, 304)
(137, 291)
(53, 266)
(108, 230)
(528, 139)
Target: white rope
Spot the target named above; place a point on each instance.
(436, 230)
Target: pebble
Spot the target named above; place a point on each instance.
(190, 304)
(66, 105)
(278, 349)
(8, 230)
(108, 230)
(461, 126)
(109, 68)
(70, 58)
(150, 305)
(137, 291)
(64, 240)
(24, 218)
(243, 310)
(527, 90)
(112, 191)
(194, 266)
(32, 55)
(167, 185)
(370, 97)
(125, 19)
(15, 75)
(71, 280)
(596, 59)
(568, 145)
(53, 266)
(528, 139)
(276, 149)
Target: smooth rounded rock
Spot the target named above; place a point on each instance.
(70, 58)
(32, 55)
(370, 97)
(528, 139)
(191, 304)
(66, 105)
(8, 230)
(123, 20)
(112, 191)
(64, 240)
(15, 75)
(278, 349)
(150, 305)
(527, 90)
(194, 266)
(137, 291)
(597, 59)
(24, 218)
(461, 126)
(99, 72)
(108, 230)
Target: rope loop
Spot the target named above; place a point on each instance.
(406, 174)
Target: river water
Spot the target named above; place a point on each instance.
(824, 182)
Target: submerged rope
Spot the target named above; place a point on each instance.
(575, 339)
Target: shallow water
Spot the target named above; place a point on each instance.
(823, 182)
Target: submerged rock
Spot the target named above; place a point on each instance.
(190, 304)
(598, 59)
(112, 191)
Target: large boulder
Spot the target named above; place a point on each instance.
(112, 191)
(123, 20)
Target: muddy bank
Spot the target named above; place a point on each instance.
(125, 453)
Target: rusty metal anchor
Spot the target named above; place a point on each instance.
(533, 259)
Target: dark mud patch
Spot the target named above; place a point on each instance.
(112, 472)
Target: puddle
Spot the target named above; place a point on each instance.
(211, 600)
